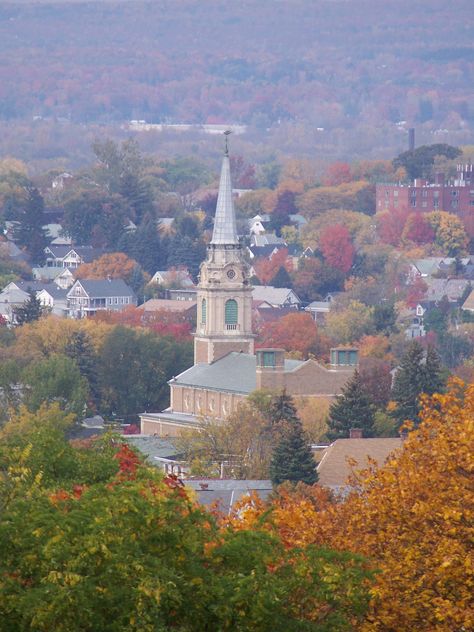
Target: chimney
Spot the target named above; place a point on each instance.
(270, 368)
(342, 357)
(355, 433)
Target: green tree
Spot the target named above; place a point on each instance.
(416, 374)
(30, 233)
(102, 542)
(292, 459)
(282, 278)
(352, 409)
(419, 162)
(96, 217)
(30, 311)
(137, 192)
(385, 318)
(81, 350)
(56, 379)
(142, 359)
(186, 253)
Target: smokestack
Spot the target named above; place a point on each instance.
(411, 139)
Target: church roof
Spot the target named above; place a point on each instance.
(235, 373)
(225, 230)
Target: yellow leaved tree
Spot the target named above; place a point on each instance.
(413, 518)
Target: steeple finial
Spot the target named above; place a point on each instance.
(226, 135)
(225, 231)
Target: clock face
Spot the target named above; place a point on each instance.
(231, 274)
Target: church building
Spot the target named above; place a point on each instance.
(226, 368)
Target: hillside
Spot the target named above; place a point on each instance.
(352, 69)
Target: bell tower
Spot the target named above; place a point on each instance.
(224, 297)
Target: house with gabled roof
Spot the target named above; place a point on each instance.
(70, 256)
(53, 299)
(62, 277)
(89, 296)
(276, 296)
(468, 304)
(334, 468)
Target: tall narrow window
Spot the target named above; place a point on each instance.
(231, 312)
(203, 311)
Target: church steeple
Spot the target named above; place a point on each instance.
(224, 310)
(225, 231)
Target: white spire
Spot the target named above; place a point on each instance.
(225, 231)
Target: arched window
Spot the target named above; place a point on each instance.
(203, 311)
(231, 312)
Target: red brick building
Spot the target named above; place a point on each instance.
(453, 196)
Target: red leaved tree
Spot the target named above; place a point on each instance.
(294, 332)
(336, 246)
(418, 230)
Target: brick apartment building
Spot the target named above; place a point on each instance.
(453, 196)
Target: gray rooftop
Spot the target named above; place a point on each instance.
(235, 372)
(225, 493)
(153, 447)
(104, 288)
(225, 230)
(274, 295)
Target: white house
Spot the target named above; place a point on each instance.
(54, 299)
(178, 278)
(276, 296)
(62, 277)
(70, 257)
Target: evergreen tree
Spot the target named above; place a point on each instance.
(282, 408)
(292, 459)
(435, 380)
(138, 194)
(81, 350)
(385, 318)
(416, 375)
(149, 251)
(30, 233)
(28, 312)
(352, 409)
(186, 253)
(281, 278)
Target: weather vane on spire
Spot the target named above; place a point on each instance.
(226, 134)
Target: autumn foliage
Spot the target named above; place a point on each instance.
(115, 265)
(336, 246)
(266, 268)
(293, 332)
(413, 518)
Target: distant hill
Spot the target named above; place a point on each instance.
(340, 65)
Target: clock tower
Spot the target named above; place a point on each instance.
(224, 297)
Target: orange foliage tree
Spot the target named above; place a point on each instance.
(115, 265)
(413, 518)
(266, 268)
(294, 332)
(337, 173)
(163, 322)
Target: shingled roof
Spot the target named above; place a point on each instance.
(334, 469)
(104, 288)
